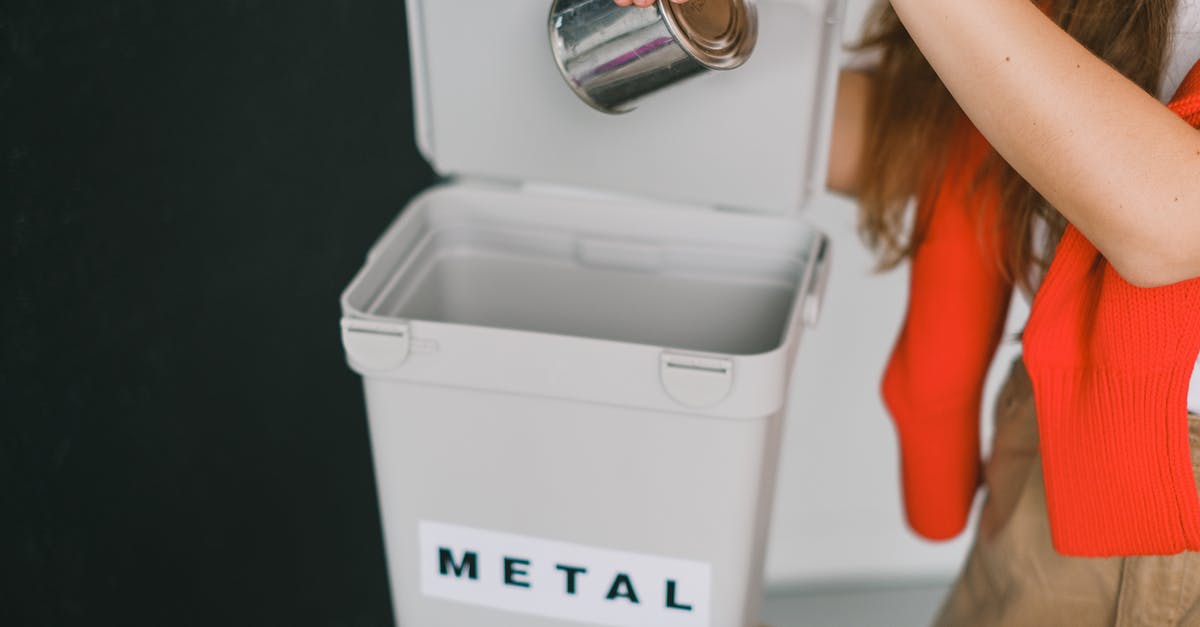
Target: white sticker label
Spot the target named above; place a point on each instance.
(562, 580)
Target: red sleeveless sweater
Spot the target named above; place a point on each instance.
(1110, 365)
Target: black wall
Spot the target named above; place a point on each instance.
(185, 189)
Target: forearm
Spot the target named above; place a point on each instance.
(1117, 163)
(849, 128)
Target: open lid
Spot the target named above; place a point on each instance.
(490, 103)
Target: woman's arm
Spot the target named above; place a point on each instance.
(849, 127)
(1118, 164)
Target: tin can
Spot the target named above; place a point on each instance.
(611, 56)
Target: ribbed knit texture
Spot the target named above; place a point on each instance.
(1187, 98)
(934, 379)
(1110, 365)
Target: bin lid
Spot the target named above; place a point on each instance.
(490, 103)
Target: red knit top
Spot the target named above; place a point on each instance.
(1110, 365)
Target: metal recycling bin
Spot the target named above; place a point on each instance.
(576, 371)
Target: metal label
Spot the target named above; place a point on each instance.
(562, 580)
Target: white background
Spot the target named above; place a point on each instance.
(837, 511)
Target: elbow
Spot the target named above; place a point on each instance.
(1143, 278)
(1156, 267)
(1150, 248)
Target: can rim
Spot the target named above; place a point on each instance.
(725, 52)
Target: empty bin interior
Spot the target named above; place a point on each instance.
(693, 297)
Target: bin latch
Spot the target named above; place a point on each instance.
(696, 381)
(376, 345)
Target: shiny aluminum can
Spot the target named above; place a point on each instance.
(611, 56)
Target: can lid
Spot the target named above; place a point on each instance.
(719, 33)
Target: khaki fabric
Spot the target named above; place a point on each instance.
(1013, 576)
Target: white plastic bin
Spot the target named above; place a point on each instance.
(575, 397)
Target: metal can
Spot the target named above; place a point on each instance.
(611, 56)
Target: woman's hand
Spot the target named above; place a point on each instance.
(642, 3)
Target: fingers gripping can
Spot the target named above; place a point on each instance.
(611, 56)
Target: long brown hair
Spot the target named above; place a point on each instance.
(911, 113)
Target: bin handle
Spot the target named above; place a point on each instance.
(818, 279)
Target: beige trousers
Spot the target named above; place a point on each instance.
(1013, 576)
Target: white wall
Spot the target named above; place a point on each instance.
(837, 511)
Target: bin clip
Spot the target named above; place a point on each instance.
(376, 344)
(696, 381)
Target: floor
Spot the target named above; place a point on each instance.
(891, 605)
